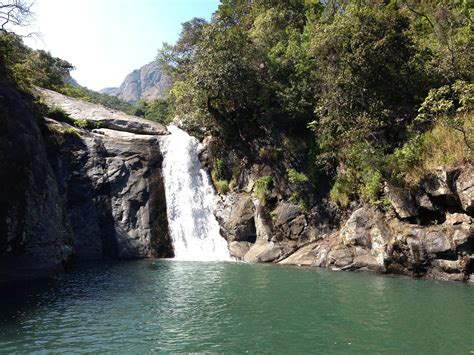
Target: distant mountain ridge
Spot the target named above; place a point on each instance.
(147, 83)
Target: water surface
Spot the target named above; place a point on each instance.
(176, 306)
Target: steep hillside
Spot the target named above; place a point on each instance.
(147, 83)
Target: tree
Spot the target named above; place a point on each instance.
(14, 13)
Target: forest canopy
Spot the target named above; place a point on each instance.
(369, 78)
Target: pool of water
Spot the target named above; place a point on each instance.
(177, 306)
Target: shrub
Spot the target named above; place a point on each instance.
(81, 123)
(218, 170)
(71, 132)
(270, 153)
(442, 145)
(341, 191)
(297, 178)
(261, 189)
(371, 186)
(297, 181)
(55, 135)
(57, 113)
(233, 184)
(86, 124)
(222, 186)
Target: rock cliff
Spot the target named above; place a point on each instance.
(87, 187)
(35, 235)
(424, 232)
(147, 83)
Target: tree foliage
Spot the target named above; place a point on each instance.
(354, 72)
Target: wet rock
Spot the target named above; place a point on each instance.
(262, 252)
(445, 276)
(239, 249)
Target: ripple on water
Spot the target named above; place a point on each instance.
(172, 306)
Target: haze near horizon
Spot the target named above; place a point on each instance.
(107, 39)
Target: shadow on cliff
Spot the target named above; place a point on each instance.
(87, 204)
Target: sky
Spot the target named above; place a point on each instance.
(107, 39)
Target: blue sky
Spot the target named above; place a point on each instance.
(107, 39)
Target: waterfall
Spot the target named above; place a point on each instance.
(190, 200)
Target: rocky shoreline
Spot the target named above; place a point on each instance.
(429, 233)
(92, 188)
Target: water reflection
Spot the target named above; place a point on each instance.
(174, 306)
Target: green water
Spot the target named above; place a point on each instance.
(170, 306)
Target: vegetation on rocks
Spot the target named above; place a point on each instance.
(262, 189)
(373, 90)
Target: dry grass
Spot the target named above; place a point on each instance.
(441, 147)
(446, 147)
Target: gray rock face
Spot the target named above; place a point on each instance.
(110, 91)
(401, 201)
(113, 184)
(115, 194)
(104, 117)
(235, 213)
(35, 236)
(147, 83)
(465, 189)
(88, 194)
(440, 247)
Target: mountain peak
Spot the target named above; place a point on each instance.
(147, 83)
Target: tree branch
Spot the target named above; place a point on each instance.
(418, 13)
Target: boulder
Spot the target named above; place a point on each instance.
(305, 256)
(263, 222)
(235, 213)
(438, 183)
(239, 249)
(297, 226)
(465, 189)
(285, 212)
(340, 257)
(423, 200)
(262, 252)
(401, 201)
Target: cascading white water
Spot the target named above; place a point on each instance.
(190, 200)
